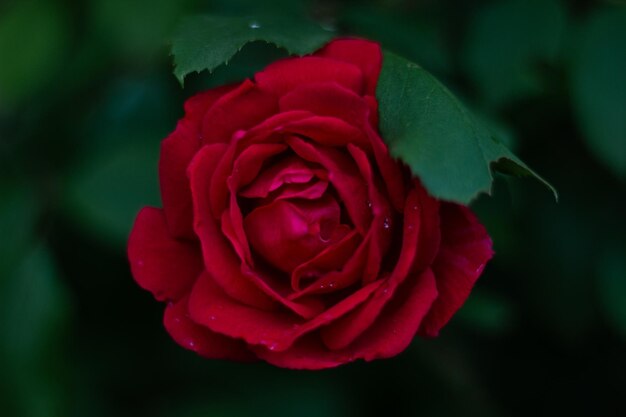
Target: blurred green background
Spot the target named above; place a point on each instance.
(86, 95)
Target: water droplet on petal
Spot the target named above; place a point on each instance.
(272, 346)
(414, 207)
(369, 204)
(387, 223)
(254, 25)
(331, 285)
(191, 344)
(212, 318)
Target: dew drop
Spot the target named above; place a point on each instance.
(331, 285)
(369, 204)
(212, 318)
(387, 223)
(272, 346)
(415, 207)
(191, 344)
(254, 25)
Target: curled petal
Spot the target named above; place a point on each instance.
(290, 170)
(160, 264)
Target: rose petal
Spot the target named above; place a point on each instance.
(390, 169)
(287, 233)
(240, 109)
(310, 191)
(465, 249)
(276, 331)
(330, 259)
(392, 333)
(364, 54)
(291, 170)
(177, 150)
(219, 259)
(327, 99)
(200, 339)
(211, 307)
(285, 75)
(328, 131)
(345, 330)
(352, 272)
(343, 174)
(246, 168)
(160, 264)
(430, 232)
(382, 225)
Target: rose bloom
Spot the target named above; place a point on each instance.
(289, 234)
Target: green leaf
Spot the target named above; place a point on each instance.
(205, 42)
(503, 56)
(431, 131)
(599, 87)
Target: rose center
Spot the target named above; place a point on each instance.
(287, 233)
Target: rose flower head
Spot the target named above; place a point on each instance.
(289, 234)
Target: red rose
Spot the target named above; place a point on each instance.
(289, 234)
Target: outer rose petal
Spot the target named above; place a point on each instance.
(177, 150)
(364, 54)
(465, 249)
(283, 76)
(391, 334)
(200, 339)
(240, 109)
(160, 264)
(275, 330)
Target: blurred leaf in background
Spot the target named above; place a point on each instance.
(599, 86)
(507, 43)
(33, 322)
